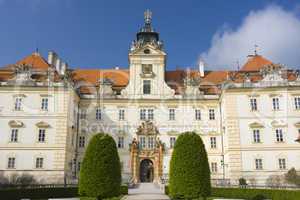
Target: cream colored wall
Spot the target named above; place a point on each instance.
(240, 149)
(184, 121)
(55, 150)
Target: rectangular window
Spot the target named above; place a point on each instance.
(214, 167)
(142, 142)
(82, 114)
(11, 163)
(171, 114)
(42, 135)
(279, 135)
(78, 166)
(44, 105)
(198, 114)
(275, 103)
(146, 87)
(213, 142)
(14, 135)
(282, 163)
(172, 142)
(150, 114)
(211, 114)
(121, 114)
(81, 142)
(120, 142)
(39, 162)
(258, 164)
(151, 143)
(297, 103)
(98, 114)
(143, 114)
(18, 103)
(256, 136)
(253, 104)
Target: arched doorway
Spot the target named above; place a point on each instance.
(146, 171)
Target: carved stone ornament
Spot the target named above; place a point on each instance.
(42, 124)
(147, 128)
(17, 124)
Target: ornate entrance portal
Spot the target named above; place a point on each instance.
(146, 171)
(146, 154)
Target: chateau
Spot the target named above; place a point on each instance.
(249, 119)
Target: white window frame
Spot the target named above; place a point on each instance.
(121, 114)
(212, 115)
(143, 114)
(45, 104)
(282, 163)
(98, 114)
(41, 135)
(150, 114)
(213, 142)
(14, 135)
(151, 142)
(279, 135)
(256, 136)
(197, 114)
(18, 104)
(11, 162)
(258, 163)
(276, 103)
(142, 142)
(81, 141)
(171, 114)
(39, 162)
(120, 142)
(253, 104)
(214, 167)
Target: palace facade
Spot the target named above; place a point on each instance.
(249, 119)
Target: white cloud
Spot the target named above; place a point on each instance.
(275, 30)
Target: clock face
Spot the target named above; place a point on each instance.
(147, 69)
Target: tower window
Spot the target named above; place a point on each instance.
(146, 51)
(146, 87)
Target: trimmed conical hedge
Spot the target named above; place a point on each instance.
(100, 173)
(189, 168)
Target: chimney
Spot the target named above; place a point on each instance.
(201, 68)
(57, 65)
(63, 69)
(52, 56)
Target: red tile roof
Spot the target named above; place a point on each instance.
(255, 63)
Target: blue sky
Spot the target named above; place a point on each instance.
(98, 33)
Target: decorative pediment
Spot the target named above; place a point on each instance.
(279, 123)
(256, 125)
(297, 124)
(149, 48)
(147, 128)
(42, 124)
(17, 124)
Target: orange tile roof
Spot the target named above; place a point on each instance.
(35, 60)
(119, 77)
(214, 77)
(255, 63)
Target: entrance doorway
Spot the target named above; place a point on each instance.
(146, 171)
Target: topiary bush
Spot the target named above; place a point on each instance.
(100, 174)
(189, 168)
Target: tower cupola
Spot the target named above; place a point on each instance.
(147, 35)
